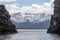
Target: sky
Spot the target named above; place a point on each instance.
(28, 6)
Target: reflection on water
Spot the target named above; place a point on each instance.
(30, 35)
(5, 37)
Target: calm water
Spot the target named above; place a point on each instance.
(31, 34)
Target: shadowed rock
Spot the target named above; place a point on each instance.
(6, 26)
(55, 20)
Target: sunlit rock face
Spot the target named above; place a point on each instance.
(55, 20)
(6, 25)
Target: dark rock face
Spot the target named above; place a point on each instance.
(55, 20)
(6, 26)
(53, 27)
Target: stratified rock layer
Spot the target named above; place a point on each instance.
(55, 20)
(6, 26)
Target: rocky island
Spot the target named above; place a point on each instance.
(55, 19)
(6, 26)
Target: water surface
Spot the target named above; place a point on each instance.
(30, 34)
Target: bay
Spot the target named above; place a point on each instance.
(30, 34)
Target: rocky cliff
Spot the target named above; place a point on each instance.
(55, 20)
(6, 26)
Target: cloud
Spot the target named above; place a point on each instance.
(34, 8)
(12, 8)
(7, 0)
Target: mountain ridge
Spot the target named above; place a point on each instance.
(31, 21)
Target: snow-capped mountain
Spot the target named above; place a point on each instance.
(35, 18)
(31, 20)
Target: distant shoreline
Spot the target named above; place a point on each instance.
(31, 28)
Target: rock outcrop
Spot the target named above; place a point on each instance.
(55, 20)
(6, 26)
